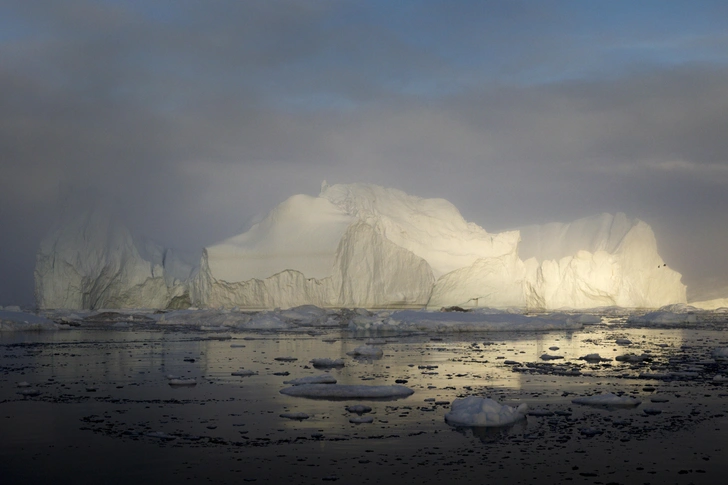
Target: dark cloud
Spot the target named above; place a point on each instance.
(192, 117)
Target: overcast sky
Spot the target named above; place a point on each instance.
(191, 117)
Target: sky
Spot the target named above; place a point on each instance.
(192, 117)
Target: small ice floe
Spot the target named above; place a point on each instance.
(623, 341)
(295, 416)
(667, 317)
(182, 382)
(658, 399)
(160, 435)
(607, 400)
(551, 357)
(171, 376)
(17, 321)
(237, 346)
(306, 316)
(359, 409)
(633, 358)
(654, 375)
(342, 391)
(594, 358)
(483, 412)
(553, 348)
(511, 362)
(376, 341)
(327, 363)
(719, 379)
(652, 411)
(366, 351)
(361, 419)
(720, 353)
(320, 379)
(243, 373)
(29, 392)
(286, 359)
(589, 432)
(24, 384)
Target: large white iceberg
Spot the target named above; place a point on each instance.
(360, 245)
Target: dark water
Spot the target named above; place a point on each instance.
(106, 413)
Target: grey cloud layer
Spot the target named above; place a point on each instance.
(191, 118)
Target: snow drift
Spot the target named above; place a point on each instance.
(361, 245)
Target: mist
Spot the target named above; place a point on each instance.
(192, 118)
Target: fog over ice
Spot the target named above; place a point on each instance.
(192, 118)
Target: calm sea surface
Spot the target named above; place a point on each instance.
(105, 412)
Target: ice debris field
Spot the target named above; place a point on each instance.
(312, 394)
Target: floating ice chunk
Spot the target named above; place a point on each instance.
(327, 363)
(24, 384)
(483, 412)
(634, 358)
(358, 409)
(237, 346)
(341, 391)
(376, 341)
(160, 435)
(720, 353)
(587, 319)
(320, 379)
(267, 321)
(361, 419)
(182, 382)
(306, 315)
(720, 379)
(366, 351)
(551, 357)
(424, 321)
(286, 359)
(17, 321)
(593, 358)
(29, 392)
(243, 373)
(296, 416)
(590, 431)
(623, 341)
(665, 318)
(607, 400)
(171, 377)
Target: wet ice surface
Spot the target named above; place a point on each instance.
(101, 399)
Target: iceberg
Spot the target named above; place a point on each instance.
(91, 260)
(361, 246)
